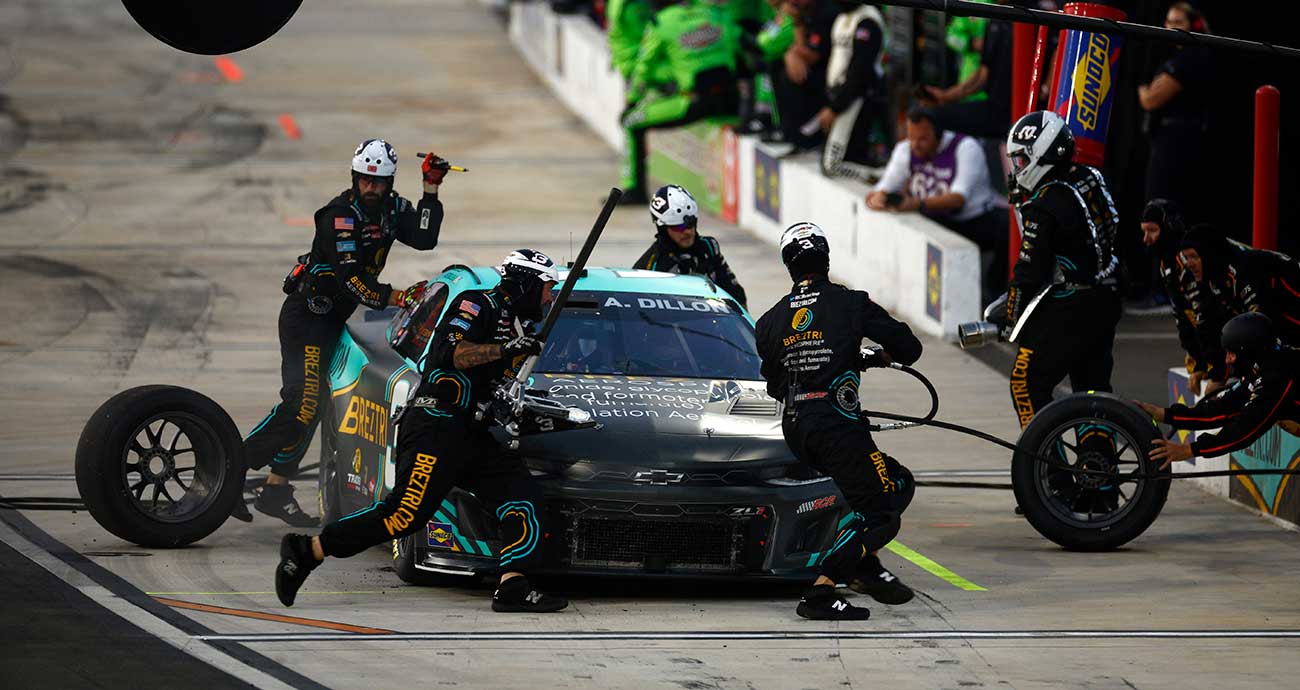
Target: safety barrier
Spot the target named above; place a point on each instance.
(1271, 495)
(912, 266)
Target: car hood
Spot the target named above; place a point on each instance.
(661, 422)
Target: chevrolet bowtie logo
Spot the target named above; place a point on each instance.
(658, 477)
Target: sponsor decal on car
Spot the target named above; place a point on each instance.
(366, 419)
(442, 536)
(816, 504)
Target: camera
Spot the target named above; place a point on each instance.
(981, 333)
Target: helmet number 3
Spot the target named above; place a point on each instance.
(1027, 132)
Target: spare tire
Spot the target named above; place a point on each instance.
(1089, 512)
(160, 466)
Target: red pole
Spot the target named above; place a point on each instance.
(1036, 73)
(1022, 65)
(1268, 108)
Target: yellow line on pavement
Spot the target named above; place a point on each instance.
(933, 568)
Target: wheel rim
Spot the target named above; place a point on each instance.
(173, 467)
(1090, 501)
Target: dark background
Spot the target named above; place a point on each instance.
(1231, 137)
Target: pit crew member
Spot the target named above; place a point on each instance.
(354, 233)
(1242, 279)
(678, 246)
(810, 344)
(443, 441)
(1065, 282)
(1266, 393)
(685, 71)
(1199, 320)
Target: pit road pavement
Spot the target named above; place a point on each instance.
(150, 203)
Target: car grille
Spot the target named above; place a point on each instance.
(656, 544)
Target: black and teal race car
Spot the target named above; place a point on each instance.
(685, 473)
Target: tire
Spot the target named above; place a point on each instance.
(329, 495)
(1054, 502)
(404, 566)
(134, 443)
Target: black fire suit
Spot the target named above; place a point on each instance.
(704, 258)
(443, 441)
(342, 271)
(1199, 320)
(810, 344)
(1068, 265)
(1239, 279)
(1247, 409)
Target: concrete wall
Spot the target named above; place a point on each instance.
(914, 267)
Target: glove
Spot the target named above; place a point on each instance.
(411, 295)
(522, 345)
(875, 357)
(434, 169)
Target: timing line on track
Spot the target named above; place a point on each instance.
(766, 635)
(930, 566)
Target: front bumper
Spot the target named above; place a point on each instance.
(594, 528)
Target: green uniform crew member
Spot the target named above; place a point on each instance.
(698, 48)
(965, 36)
(627, 21)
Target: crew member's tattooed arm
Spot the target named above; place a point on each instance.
(468, 355)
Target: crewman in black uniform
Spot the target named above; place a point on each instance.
(443, 440)
(354, 233)
(679, 248)
(1199, 321)
(1267, 392)
(810, 344)
(1063, 301)
(1242, 279)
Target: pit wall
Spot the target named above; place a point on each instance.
(916, 268)
(1275, 496)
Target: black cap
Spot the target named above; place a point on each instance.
(1249, 336)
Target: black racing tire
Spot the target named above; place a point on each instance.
(1054, 502)
(130, 460)
(330, 494)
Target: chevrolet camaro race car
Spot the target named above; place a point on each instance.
(685, 472)
(659, 452)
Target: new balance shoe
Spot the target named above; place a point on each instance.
(875, 581)
(277, 501)
(821, 603)
(517, 596)
(296, 563)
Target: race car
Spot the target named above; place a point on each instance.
(684, 474)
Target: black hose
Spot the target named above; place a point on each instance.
(929, 420)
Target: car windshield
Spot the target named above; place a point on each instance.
(637, 334)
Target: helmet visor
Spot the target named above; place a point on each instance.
(680, 227)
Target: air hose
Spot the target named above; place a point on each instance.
(907, 421)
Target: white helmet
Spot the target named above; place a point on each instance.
(375, 157)
(1037, 143)
(673, 205)
(530, 263)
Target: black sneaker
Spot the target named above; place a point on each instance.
(821, 603)
(517, 596)
(875, 581)
(277, 501)
(296, 563)
(240, 511)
